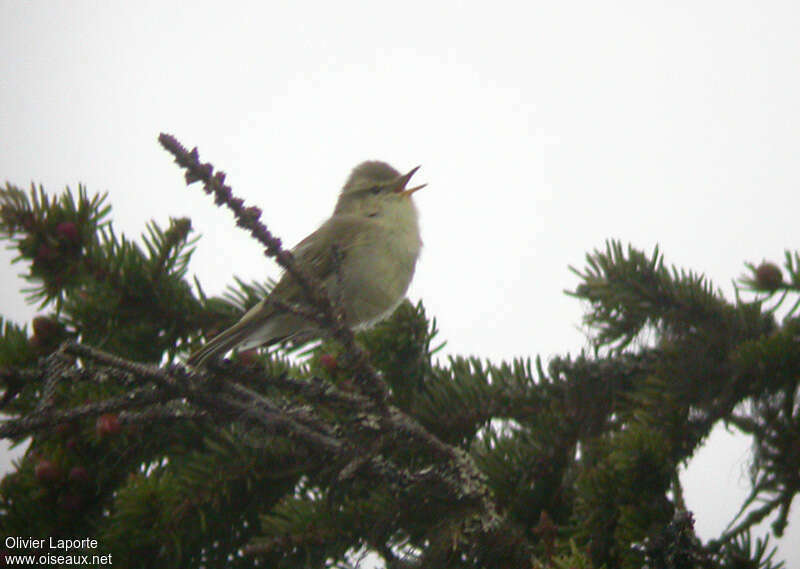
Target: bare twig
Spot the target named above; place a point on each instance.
(163, 413)
(249, 218)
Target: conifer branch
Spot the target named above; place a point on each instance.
(331, 318)
(230, 400)
(331, 463)
(466, 479)
(33, 422)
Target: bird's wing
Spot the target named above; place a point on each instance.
(224, 341)
(315, 254)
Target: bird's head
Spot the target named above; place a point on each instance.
(375, 189)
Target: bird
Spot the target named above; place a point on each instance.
(374, 231)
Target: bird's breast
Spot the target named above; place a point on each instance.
(378, 272)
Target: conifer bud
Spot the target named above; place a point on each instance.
(328, 362)
(79, 474)
(71, 502)
(64, 429)
(27, 221)
(248, 357)
(45, 253)
(45, 328)
(68, 230)
(47, 471)
(107, 424)
(768, 276)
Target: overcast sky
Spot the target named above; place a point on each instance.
(542, 128)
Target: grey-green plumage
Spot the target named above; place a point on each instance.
(375, 228)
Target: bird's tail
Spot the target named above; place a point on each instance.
(221, 343)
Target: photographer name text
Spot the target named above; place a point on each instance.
(50, 543)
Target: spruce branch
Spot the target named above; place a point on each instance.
(465, 477)
(233, 401)
(629, 290)
(335, 467)
(195, 386)
(248, 218)
(33, 422)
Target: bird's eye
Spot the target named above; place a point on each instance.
(375, 190)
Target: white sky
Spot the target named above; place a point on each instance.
(542, 128)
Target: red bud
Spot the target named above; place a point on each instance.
(71, 502)
(45, 253)
(79, 474)
(68, 230)
(45, 327)
(107, 424)
(47, 471)
(248, 357)
(328, 362)
(768, 276)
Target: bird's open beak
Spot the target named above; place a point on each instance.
(402, 182)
